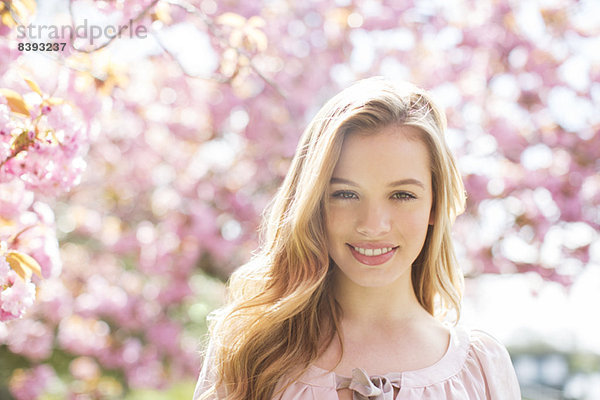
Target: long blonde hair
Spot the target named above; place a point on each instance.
(281, 312)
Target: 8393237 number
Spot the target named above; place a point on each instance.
(56, 46)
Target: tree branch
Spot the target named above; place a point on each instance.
(220, 36)
(219, 78)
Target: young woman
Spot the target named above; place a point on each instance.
(346, 297)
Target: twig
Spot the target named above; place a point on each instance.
(12, 12)
(217, 33)
(14, 240)
(219, 78)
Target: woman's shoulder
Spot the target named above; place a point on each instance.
(476, 365)
(486, 347)
(489, 363)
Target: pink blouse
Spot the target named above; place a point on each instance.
(475, 366)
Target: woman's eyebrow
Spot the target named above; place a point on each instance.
(407, 181)
(342, 180)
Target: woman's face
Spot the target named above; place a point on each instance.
(378, 205)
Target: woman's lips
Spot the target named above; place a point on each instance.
(373, 259)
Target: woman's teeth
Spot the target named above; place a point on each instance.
(373, 252)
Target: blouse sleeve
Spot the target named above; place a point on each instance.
(208, 377)
(499, 374)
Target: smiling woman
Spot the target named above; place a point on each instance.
(348, 295)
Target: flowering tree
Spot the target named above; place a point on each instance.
(134, 170)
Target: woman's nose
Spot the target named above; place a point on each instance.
(373, 220)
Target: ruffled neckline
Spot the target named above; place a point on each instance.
(449, 365)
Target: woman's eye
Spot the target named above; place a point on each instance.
(344, 195)
(404, 196)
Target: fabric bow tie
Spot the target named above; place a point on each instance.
(365, 387)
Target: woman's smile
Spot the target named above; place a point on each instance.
(375, 256)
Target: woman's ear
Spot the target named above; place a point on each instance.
(431, 216)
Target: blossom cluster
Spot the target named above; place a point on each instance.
(16, 294)
(42, 143)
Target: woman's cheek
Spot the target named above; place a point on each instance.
(338, 218)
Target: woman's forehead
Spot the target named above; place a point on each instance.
(392, 153)
(389, 140)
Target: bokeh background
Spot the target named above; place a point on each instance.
(134, 171)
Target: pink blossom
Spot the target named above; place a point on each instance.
(14, 198)
(84, 368)
(30, 338)
(165, 336)
(84, 336)
(131, 351)
(39, 241)
(149, 372)
(52, 162)
(8, 52)
(55, 301)
(31, 384)
(16, 296)
(4, 271)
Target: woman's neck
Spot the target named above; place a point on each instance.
(375, 306)
(372, 319)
